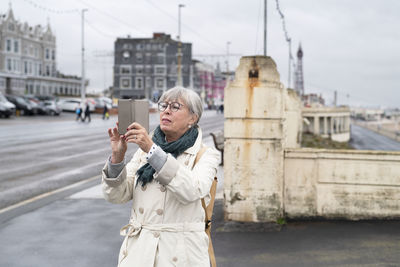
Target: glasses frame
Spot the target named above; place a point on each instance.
(170, 105)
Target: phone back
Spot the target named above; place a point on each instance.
(130, 111)
(125, 114)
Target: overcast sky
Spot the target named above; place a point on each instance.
(349, 46)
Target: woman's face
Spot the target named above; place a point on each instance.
(175, 123)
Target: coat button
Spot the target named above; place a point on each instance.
(144, 188)
(141, 210)
(160, 212)
(156, 234)
(163, 189)
(187, 162)
(175, 259)
(125, 252)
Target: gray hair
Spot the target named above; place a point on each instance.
(189, 97)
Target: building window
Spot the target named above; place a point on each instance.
(160, 83)
(8, 45)
(47, 53)
(40, 69)
(139, 69)
(160, 70)
(148, 47)
(148, 82)
(11, 27)
(126, 46)
(126, 55)
(139, 58)
(36, 52)
(125, 69)
(16, 46)
(139, 47)
(148, 58)
(9, 66)
(25, 67)
(47, 70)
(53, 54)
(125, 83)
(160, 58)
(30, 67)
(139, 83)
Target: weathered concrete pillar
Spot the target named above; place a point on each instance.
(254, 141)
(316, 125)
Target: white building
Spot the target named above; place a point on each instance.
(28, 62)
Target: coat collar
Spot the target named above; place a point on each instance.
(196, 147)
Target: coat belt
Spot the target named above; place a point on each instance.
(133, 228)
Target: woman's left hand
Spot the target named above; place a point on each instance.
(137, 134)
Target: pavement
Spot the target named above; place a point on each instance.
(75, 226)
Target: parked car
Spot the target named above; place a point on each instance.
(21, 104)
(52, 107)
(101, 101)
(5, 111)
(72, 104)
(7, 103)
(37, 106)
(69, 104)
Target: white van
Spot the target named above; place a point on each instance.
(7, 104)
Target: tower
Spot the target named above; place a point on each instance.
(299, 83)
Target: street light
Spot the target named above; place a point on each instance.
(179, 45)
(227, 56)
(83, 91)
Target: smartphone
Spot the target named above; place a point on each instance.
(130, 111)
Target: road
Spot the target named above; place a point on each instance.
(365, 139)
(41, 154)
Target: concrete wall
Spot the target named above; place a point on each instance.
(266, 175)
(350, 184)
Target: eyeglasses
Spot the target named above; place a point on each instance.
(174, 106)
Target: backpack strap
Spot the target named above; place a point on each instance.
(208, 209)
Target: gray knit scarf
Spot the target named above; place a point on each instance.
(175, 148)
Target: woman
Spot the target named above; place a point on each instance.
(166, 227)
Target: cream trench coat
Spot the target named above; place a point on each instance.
(166, 227)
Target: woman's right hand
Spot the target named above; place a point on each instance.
(118, 145)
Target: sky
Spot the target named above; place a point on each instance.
(351, 47)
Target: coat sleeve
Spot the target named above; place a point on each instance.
(190, 185)
(120, 189)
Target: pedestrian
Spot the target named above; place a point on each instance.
(166, 227)
(105, 112)
(78, 112)
(87, 113)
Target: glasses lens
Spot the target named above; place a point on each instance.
(162, 106)
(175, 106)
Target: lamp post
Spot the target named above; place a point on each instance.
(83, 90)
(179, 46)
(265, 27)
(228, 76)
